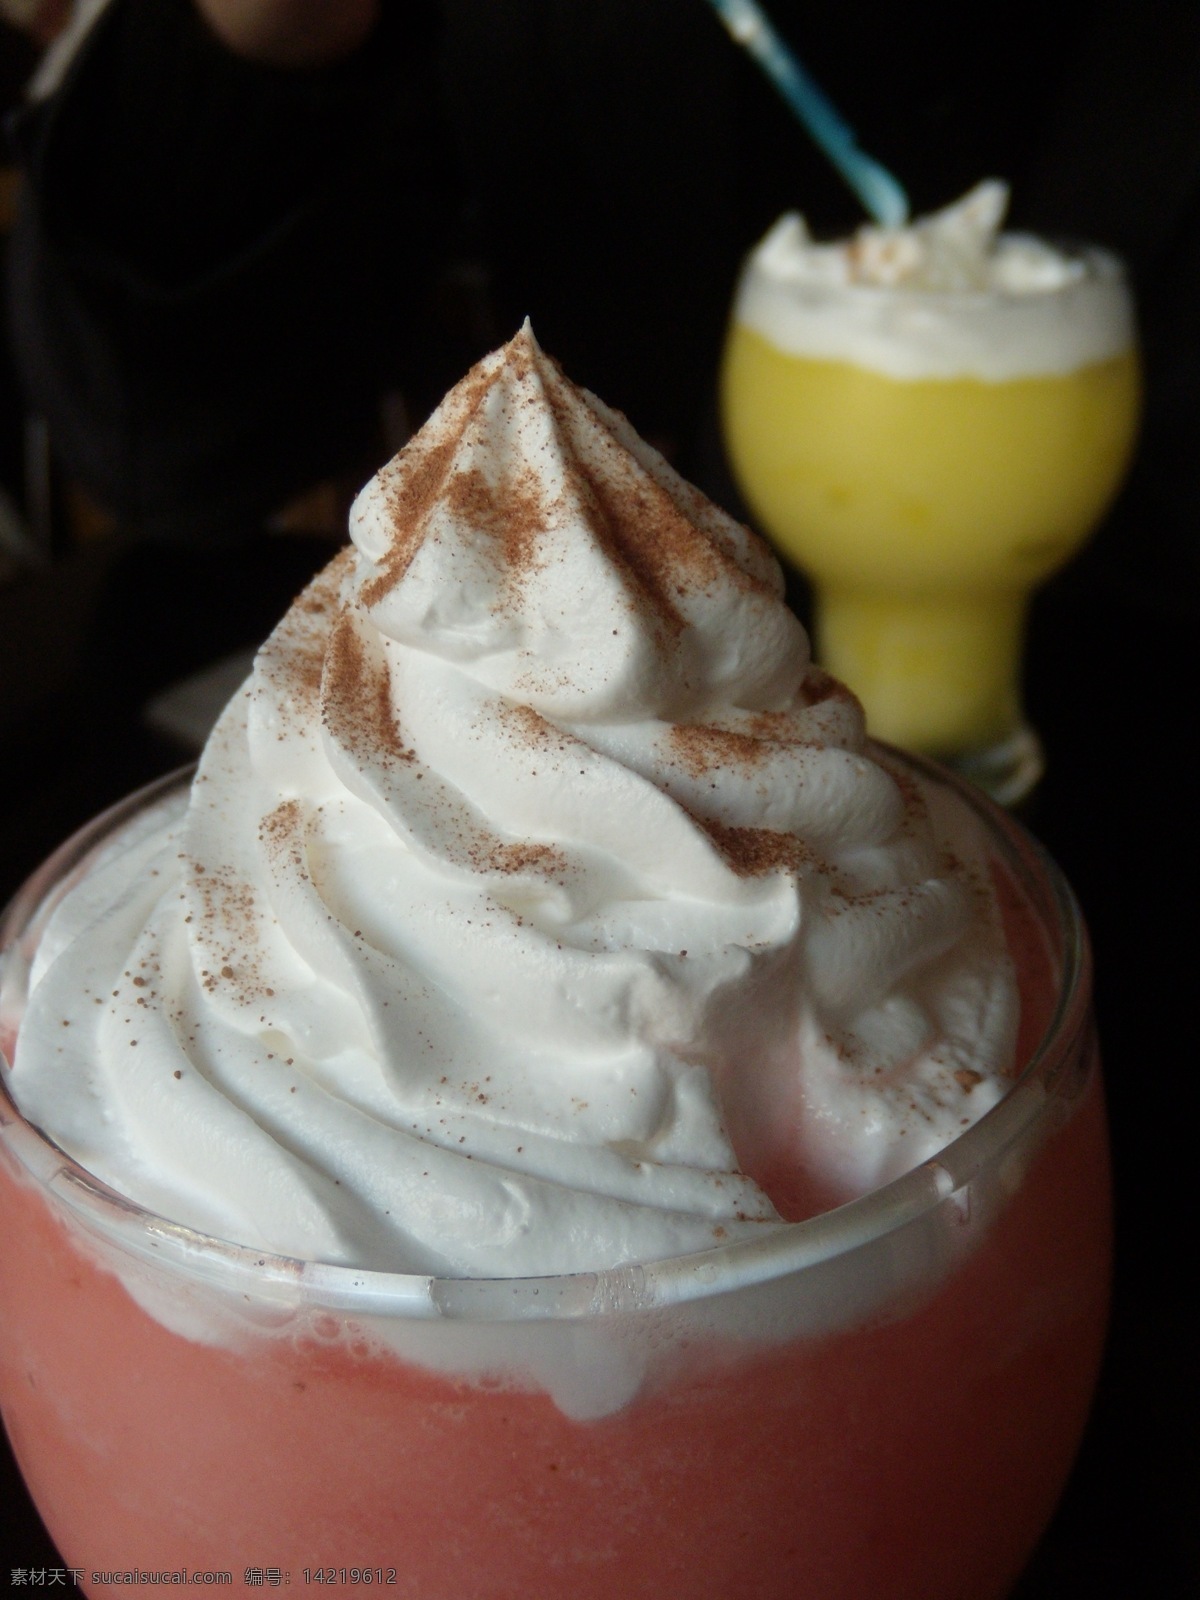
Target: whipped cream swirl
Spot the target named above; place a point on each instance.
(536, 906)
(947, 296)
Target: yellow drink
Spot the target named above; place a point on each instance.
(929, 420)
(925, 509)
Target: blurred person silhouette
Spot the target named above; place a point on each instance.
(244, 222)
(198, 300)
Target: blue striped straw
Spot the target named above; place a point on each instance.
(883, 197)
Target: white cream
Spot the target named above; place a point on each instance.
(533, 892)
(948, 296)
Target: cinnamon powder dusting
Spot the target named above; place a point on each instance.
(227, 907)
(753, 852)
(530, 728)
(413, 486)
(650, 545)
(700, 748)
(525, 857)
(511, 513)
(651, 541)
(821, 686)
(306, 627)
(358, 695)
(645, 529)
(281, 832)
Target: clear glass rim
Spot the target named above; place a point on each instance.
(781, 1251)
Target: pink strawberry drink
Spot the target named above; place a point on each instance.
(549, 1109)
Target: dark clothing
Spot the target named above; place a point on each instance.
(208, 290)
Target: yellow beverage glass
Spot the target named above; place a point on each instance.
(928, 457)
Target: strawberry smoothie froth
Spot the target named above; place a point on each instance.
(537, 906)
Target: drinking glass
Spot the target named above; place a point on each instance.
(931, 479)
(883, 1400)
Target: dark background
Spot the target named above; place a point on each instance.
(1090, 109)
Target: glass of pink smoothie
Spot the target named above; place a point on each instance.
(882, 1401)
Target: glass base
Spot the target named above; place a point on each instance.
(1008, 771)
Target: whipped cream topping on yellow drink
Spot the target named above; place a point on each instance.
(969, 300)
(929, 421)
(537, 905)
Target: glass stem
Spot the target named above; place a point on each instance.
(937, 673)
